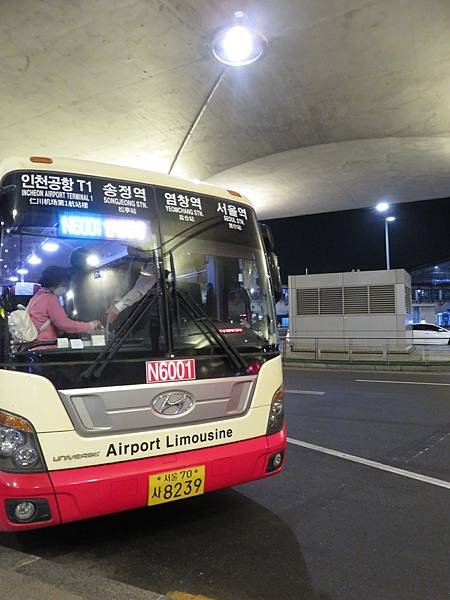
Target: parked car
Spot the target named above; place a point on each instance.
(426, 333)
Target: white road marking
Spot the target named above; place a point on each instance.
(407, 382)
(312, 393)
(371, 463)
(28, 560)
(432, 445)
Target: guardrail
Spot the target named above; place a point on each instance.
(366, 350)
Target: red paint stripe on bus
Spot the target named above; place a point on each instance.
(100, 490)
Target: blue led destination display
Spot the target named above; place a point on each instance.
(104, 228)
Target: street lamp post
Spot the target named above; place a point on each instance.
(386, 240)
(383, 207)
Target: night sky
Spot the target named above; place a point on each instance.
(354, 239)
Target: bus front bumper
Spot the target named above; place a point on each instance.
(76, 494)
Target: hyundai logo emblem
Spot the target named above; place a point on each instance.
(173, 404)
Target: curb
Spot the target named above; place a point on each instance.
(28, 576)
(342, 366)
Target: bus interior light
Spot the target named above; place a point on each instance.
(34, 259)
(49, 246)
(93, 260)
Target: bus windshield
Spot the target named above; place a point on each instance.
(90, 249)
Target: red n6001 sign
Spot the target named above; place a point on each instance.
(159, 371)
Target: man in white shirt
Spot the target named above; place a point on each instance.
(147, 278)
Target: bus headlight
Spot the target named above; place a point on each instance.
(276, 415)
(10, 440)
(19, 448)
(26, 457)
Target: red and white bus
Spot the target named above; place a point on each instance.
(175, 389)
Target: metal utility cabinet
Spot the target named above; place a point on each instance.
(366, 307)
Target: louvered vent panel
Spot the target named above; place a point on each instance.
(408, 300)
(308, 301)
(382, 299)
(331, 301)
(356, 300)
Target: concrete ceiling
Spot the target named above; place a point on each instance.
(350, 104)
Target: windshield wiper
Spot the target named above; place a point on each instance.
(199, 316)
(140, 309)
(144, 304)
(206, 323)
(176, 306)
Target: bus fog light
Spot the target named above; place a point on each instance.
(26, 457)
(24, 511)
(275, 462)
(28, 510)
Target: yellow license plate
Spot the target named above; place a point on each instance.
(176, 485)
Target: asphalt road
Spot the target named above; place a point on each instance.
(326, 528)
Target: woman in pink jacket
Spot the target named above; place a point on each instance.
(44, 307)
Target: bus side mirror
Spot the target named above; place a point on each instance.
(272, 261)
(275, 276)
(267, 237)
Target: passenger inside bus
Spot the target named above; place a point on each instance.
(87, 305)
(106, 278)
(46, 312)
(141, 276)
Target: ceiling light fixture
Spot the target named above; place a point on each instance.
(382, 206)
(233, 45)
(237, 45)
